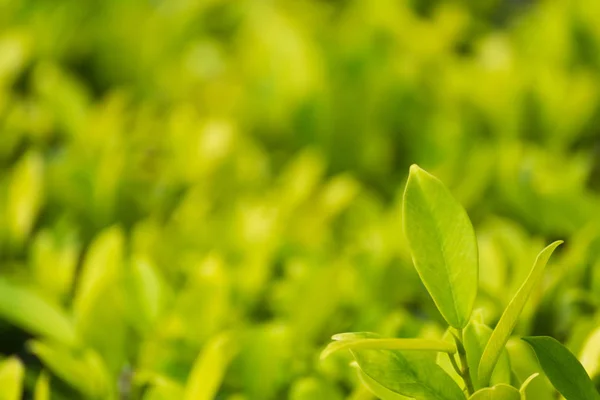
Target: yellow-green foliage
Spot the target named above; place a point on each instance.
(195, 195)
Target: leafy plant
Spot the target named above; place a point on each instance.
(445, 254)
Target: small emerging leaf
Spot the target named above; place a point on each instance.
(442, 244)
(509, 318)
(498, 392)
(563, 369)
(525, 384)
(475, 337)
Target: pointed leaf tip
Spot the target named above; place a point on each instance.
(511, 314)
(442, 244)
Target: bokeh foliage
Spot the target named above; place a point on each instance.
(194, 195)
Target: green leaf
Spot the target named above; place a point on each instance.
(159, 386)
(355, 336)
(99, 299)
(42, 387)
(209, 368)
(524, 365)
(84, 370)
(498, 392)
(390, 344)
(25, 195)
(312, 388)
(443, 245)
(475, 337)
(411, 374)
(102, 264)
(590, 353)
(34, 314)
(11, 379)
(375, 388)
(525, 385)
(509, 318)
(563, 369)
(147, 293)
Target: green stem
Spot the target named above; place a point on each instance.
(464, 373)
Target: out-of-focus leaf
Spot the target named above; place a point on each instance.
(524, 365)
(497, 392)
(443, 245)
(42, 387)
(12, 374)
(314, 389)
(84, 371)
(525, 385)
(209, 368)
(34, 314)
(563, 369)
(54, 262)
(148, 292)
(264, 373)
(102, 263)
(163, 389)
(590, 353)
(25, 195)
(508, 321)
(99, 299)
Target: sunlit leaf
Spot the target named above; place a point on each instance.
(12, 374)
(34, 314)
(209, 368)
(443, 245)
(99, 299)
(83, 370)
(378, 390)
(498, 392)
(162, 388)
(475, 337)
(389, 344)
(25, 195)
(315, 389)
(411, 373)
(147, 292)
(590, 353)
(42, 387)
(103, 261)
(509, 319)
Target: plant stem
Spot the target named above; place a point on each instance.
(464, 372)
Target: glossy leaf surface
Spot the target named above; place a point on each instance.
(510, 317)
(442, 244)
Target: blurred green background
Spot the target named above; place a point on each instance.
(195, 195)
